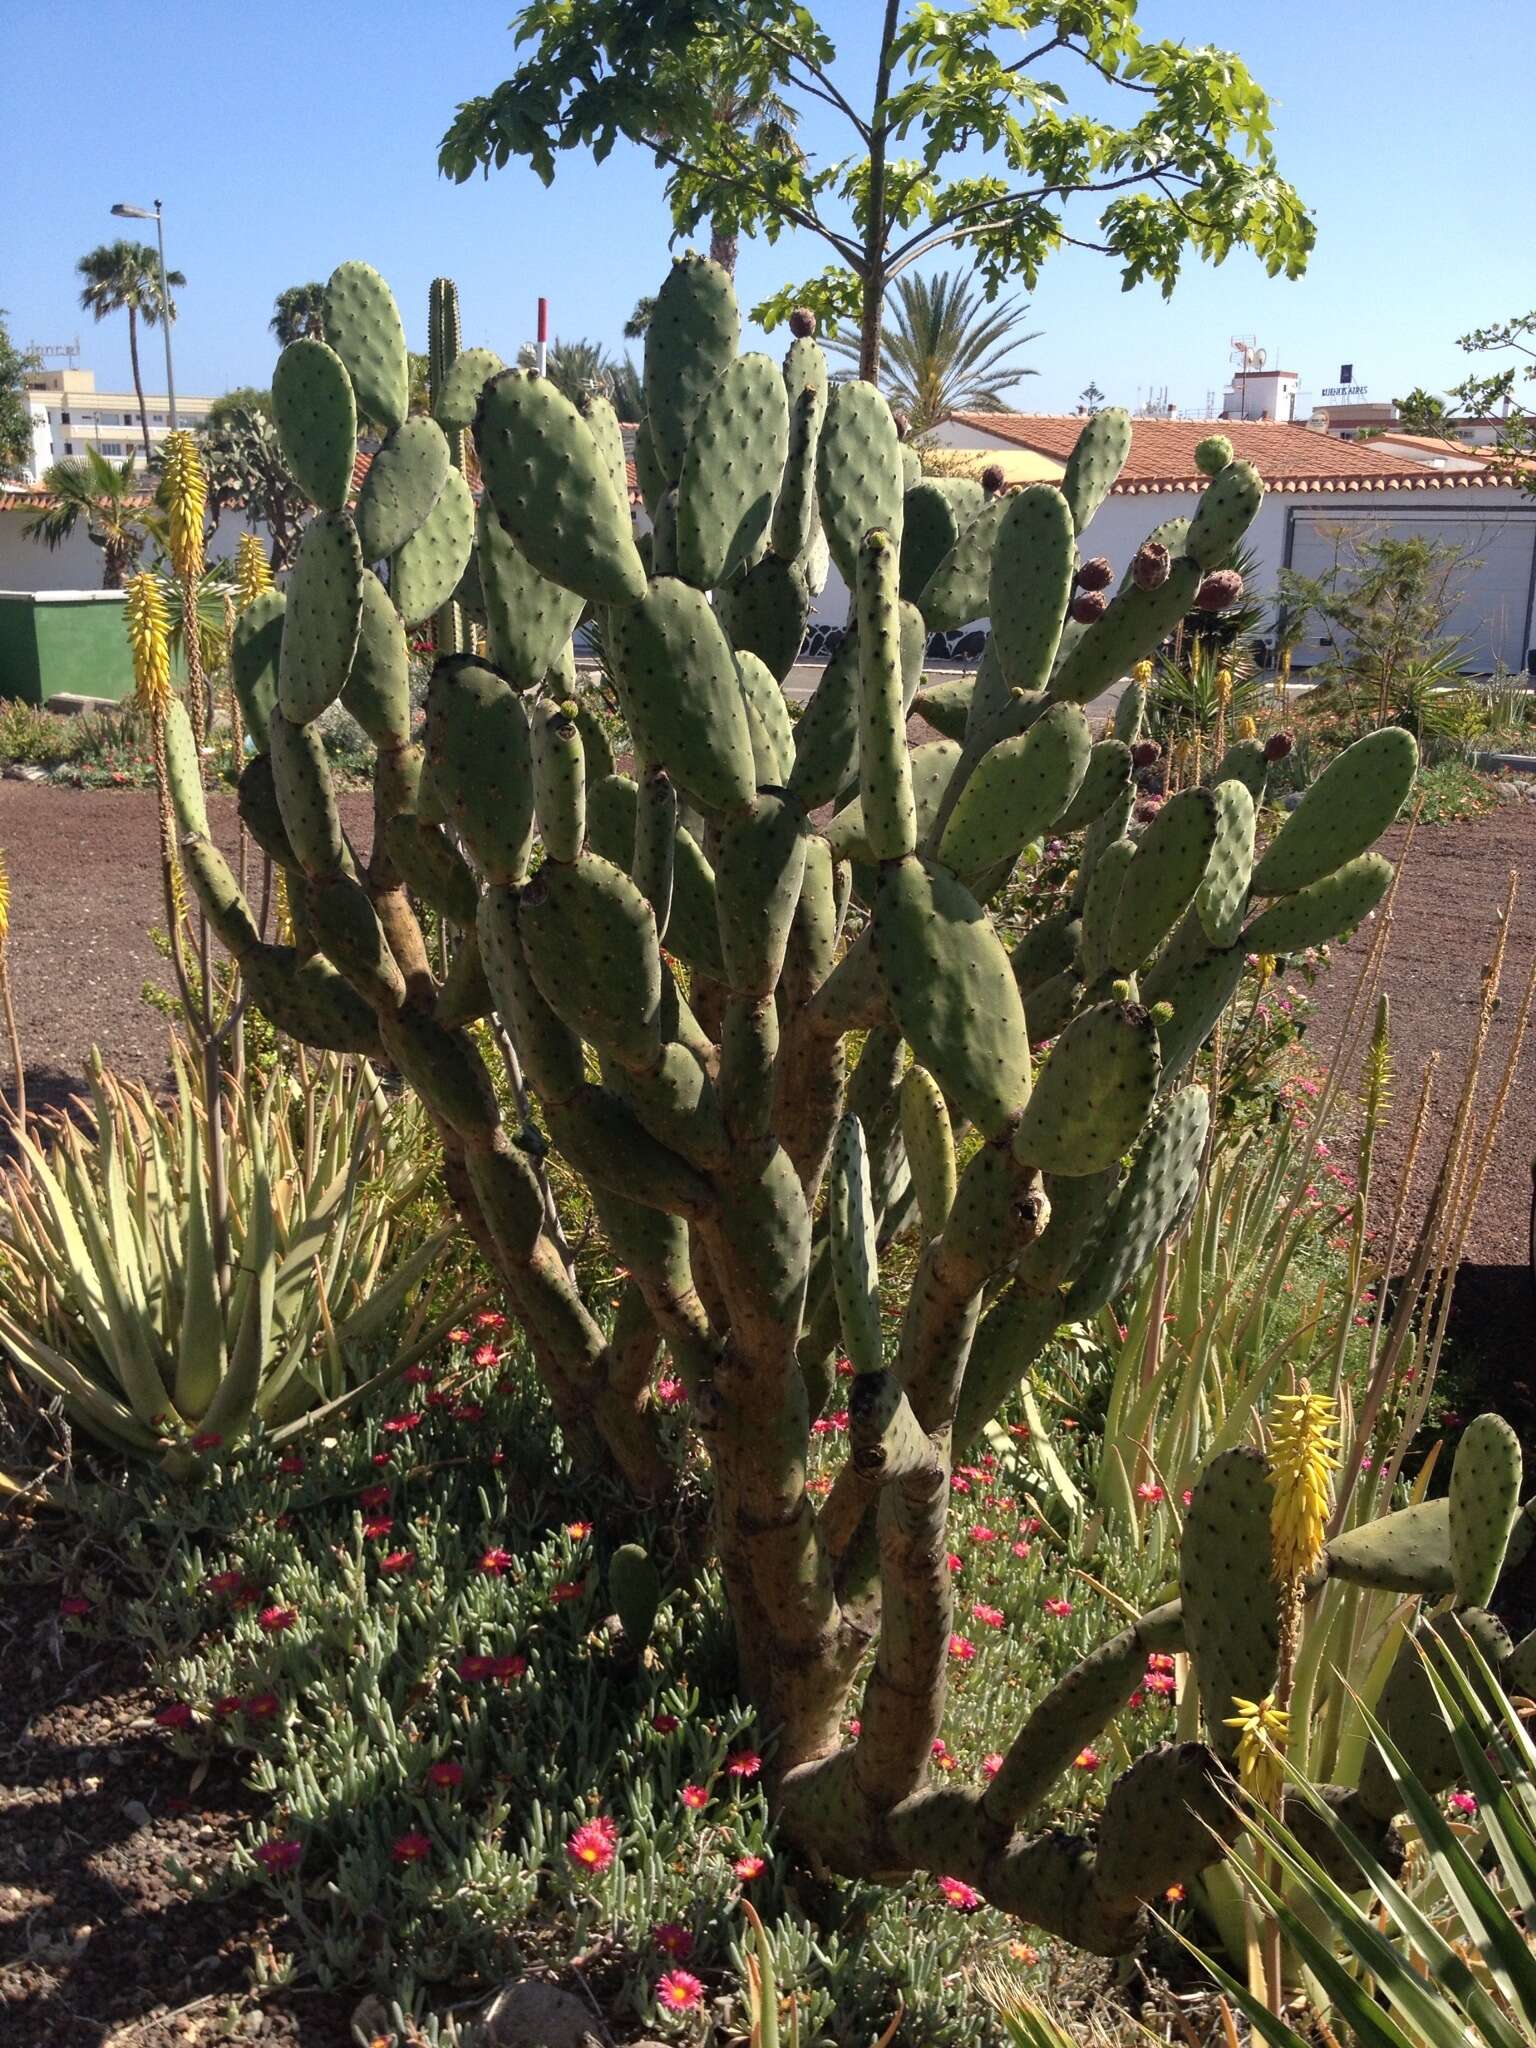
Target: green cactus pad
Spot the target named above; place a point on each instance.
(1405, 1552)
(1197, 992)
(946, 706)
(1245, 762)
(764, 610)
(316, 419)
(952, 992)
(459, 394)
(934, 515)
(550, 484)
(1164, 1821)
(320, 625)
(1092, 1096)
(351, 936)
(219, 894)
(432, 868)
(589, 938)
(851, 1236)
(1213, 454)
(648, 475)
(958, 591)
(183, 772)
(1160, 883)
(858, 473)
(528, 619)
(550, 1052)
(1321, 912)
(1105, 879)
(1410, 1713)
(603, 424)
(1048, 946)
(309, 1000)
(1106, 779)
(759, 863)
(480, 757)
(1223, 893)
(1224, 514)
(405, 480)
(885, 781)
(1030, 585)
(827, 734)
(1161, 1185)
(634, 1586)
(1346, 810)
(255, 655)
(1095, 462)
(260, 813)
(1131, 712)
(929, 1141)
(654, 863)
(1484, 1501)
(678, 686)
(731, 473)
(426, 571)
(305, 797)
(362, 324)
(1229, 1593)
(693, 928)
(559, 780)
(773, 733)
(377, 691)
(794, 523)
(690, 343)
(930, 766)
(1135, 624)
(1017, 790)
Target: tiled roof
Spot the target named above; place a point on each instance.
(1289, 458)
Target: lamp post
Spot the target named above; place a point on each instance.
(142, 213)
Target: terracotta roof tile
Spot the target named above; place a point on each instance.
(1288, 457)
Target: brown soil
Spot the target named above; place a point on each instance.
(1444, 928)
(85, 894)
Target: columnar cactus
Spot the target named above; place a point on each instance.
(678, 959)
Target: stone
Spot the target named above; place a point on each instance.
(533, 2013)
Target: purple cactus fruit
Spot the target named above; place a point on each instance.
(902, 421)
(1089, 605)
(1144, 753)
(1095, 573)
(1277, 746)
(993, 479)
(1147, 809)
(1219, 591)
(1150, 569)
(802, 323)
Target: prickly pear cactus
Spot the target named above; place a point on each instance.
(671, 956)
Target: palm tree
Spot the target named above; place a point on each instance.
(297, 312)
(125, 277)
(768, 124)
(573, 367)
(102, 494)
(943, 350)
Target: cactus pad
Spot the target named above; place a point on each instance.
(316, 419)
(858, 473)
(1018, 789)
(405, 480)
(1091, 1097)
(427, 570)
(459, 393)
(1223, 893)
(320, 625)
(677, 682)
(1230, 1596)
(480, 756)
(730, 475)
(589, 938)
(1155, 1199)
(1350, 805)
(1161, 882)
(1323, 910)
(855, 1267)
(362, 324)
(1484, 1501)
(1096, 460)
(690, 343)
(1030, 584)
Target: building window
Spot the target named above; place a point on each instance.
(69, 447)
(111, 447)
(64, 418)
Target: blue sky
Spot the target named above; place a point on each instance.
(284, 137)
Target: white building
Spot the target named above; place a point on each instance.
(70, 415)
(1316, 487)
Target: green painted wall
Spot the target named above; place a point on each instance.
(63, 643)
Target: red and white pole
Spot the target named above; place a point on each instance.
(543, 335)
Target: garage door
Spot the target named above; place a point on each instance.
(1494, 615)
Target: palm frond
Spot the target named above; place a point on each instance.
(943, 350)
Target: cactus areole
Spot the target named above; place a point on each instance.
(670, 954)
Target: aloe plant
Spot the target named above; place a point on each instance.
(109, 1287)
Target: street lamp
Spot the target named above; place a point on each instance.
(142, 213)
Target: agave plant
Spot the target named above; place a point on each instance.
(111, 1289)
(1435, 1952)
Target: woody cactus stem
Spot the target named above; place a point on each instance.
(667, 955)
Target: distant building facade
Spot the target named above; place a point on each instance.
(70, 415)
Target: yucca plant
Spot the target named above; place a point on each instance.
(110, 1291)
(1437, 1955)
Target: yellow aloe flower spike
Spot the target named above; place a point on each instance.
(253, 574)
(1224, 687)
(1303, 1458)
(1264, 1733)
(149, 638)
(184, 490)
(1246, 729)
(5, 901)
(1142, 672)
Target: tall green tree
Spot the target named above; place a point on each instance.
(124, 277)
(102, 497)
(1499, 394)
(244, 465)
(297, 311)
(15, 414)
(1190, 166)
(944, 351)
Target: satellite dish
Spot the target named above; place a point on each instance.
(1260, 358)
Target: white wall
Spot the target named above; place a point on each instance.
(76, 564)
